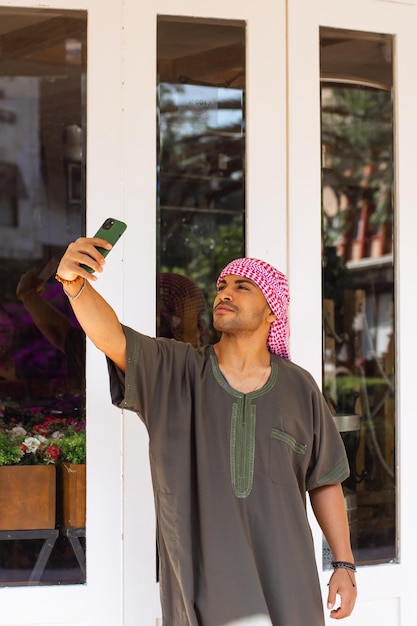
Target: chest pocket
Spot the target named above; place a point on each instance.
(286, 456)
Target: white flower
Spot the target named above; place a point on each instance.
(58, 434)
(18, 431)
(32, 444)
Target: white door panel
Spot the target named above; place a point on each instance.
(384, 590)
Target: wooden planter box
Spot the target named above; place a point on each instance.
(73, 495)
(27, 497)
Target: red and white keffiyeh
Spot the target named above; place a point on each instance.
(274, 286)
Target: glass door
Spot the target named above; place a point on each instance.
(351, 226)
(201, 168)
(358, 234)
(42, 357)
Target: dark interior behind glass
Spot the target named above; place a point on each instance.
(42, 208)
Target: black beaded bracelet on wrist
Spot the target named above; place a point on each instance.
(344, 565)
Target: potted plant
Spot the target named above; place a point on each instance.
(27, 477)
(72, 466)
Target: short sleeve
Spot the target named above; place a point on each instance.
(155, 374)
(329, 464)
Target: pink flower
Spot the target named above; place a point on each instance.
(18, 431)
(58, 434)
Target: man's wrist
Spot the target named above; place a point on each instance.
(73, 290)
(344, 565)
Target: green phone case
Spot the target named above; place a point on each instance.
(111, 230)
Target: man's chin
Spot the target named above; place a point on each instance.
(223, 326)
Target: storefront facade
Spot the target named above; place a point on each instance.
(136, 84)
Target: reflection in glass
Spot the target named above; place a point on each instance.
(181, 309)
(42, 356)
(201, 147)
(358, 277)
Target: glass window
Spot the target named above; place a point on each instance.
(358, 209)
(42, 356)
(201, 176)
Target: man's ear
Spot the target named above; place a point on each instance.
(271, 317)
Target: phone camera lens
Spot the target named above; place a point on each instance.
(108, 224)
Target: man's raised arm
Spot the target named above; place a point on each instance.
(94, 314)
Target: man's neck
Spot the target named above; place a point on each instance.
(246, 366)
(241, 354)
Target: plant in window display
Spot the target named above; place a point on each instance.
(21, 447)
(28, 454)
(33, 443)
(72, 445)
(42, 443)
(10, 450)
(72, 476)
(41, 436)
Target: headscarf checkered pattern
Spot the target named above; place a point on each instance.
(274, 286)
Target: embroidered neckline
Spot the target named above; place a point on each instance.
(239, 394)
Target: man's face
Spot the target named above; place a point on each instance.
(240, 305)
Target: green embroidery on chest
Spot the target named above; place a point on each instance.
(242, 429)
(242, 446)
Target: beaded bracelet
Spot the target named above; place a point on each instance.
(344, 565)
(64, 281)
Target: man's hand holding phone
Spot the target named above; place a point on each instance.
(81, 254)
(75, 271)
(86, 255)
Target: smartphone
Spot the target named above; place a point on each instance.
(111, 230)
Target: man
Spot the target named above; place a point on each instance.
(238, 434)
